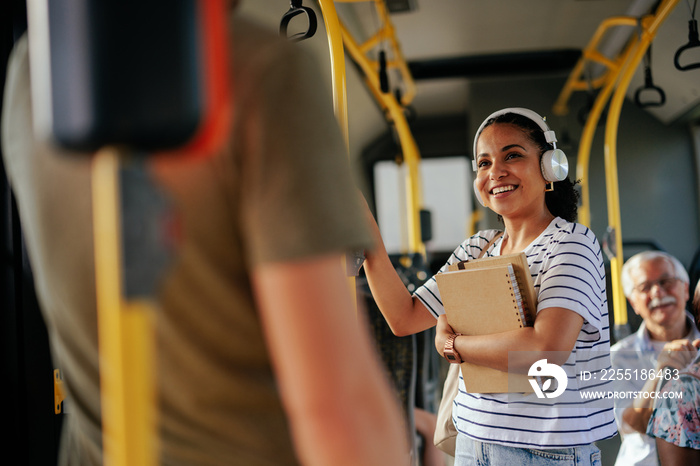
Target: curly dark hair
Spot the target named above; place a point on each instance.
(563, 201)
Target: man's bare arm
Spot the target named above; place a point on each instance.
(336, 395)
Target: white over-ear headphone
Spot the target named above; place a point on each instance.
(554, 164)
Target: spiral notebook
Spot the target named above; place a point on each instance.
(485, 296)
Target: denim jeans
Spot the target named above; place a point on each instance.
(474, 453)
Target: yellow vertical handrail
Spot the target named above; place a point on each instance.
(337, 57)
(584, 152)
(408, 144)
(607, 80)
(125, 333)
(395, 113)
(617, 77)
(649, 27)
(340, 99)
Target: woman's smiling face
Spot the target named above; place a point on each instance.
(509, 177)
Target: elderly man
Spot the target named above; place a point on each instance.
(656, 285)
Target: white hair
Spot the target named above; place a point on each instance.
(645, 256)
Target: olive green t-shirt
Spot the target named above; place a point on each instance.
(279, 190)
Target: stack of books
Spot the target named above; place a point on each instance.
(486, 296)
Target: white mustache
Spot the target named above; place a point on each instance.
(656, 302)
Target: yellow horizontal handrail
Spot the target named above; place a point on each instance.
(577, 81)
(584, 148)
(386, 36)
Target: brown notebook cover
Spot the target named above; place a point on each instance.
(485, 296)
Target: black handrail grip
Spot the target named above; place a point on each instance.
(693, 41)
(383, 75)
(649, 86)
(296, 9)
(662, 97)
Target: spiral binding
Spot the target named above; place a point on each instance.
(519, 299)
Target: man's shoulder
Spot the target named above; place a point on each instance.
(626, 343)
(244, 27)
(624, 352)
(253, 40)
(631, 352)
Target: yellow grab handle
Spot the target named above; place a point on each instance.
(125, 333)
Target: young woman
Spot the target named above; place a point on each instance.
(513, 155)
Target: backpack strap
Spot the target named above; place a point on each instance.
(460, 265)
(490, 243)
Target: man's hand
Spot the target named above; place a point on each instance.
(677, 354)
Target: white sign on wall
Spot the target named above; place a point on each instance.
(447, 194)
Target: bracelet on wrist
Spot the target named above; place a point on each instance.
(450, 352)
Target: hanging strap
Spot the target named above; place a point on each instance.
(693, 41)
(649, 86)
(297, 8)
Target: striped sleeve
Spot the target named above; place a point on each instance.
(471, 248)
(573, 277)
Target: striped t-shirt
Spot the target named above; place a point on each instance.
(568, 272)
